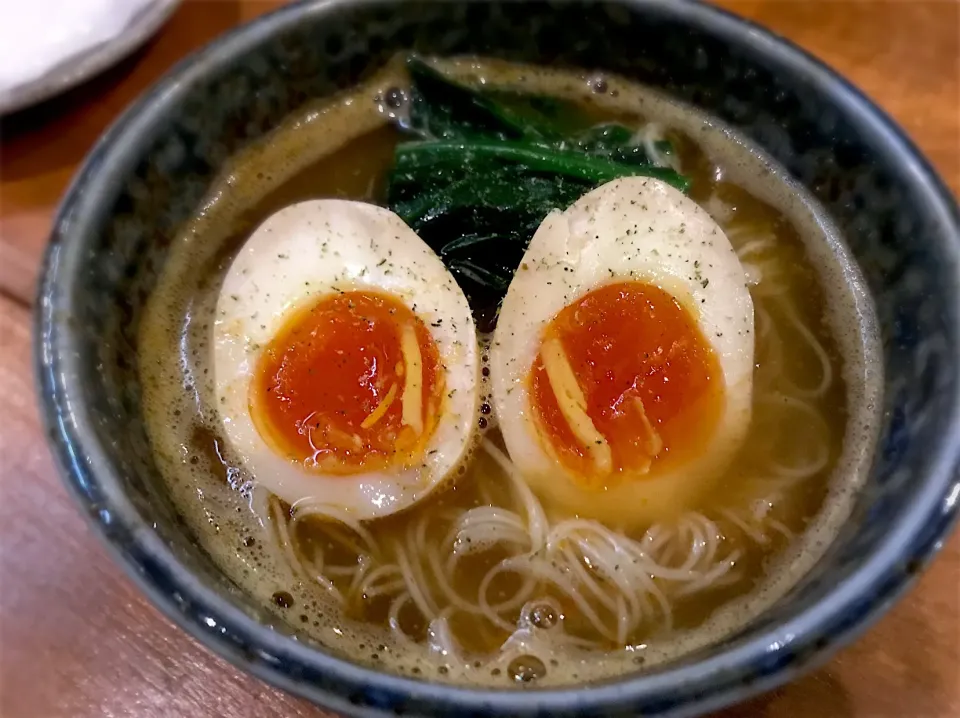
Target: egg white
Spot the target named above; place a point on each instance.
(310, 250)
(638, 229)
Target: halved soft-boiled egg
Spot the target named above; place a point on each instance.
(622, 361)
(345, 359)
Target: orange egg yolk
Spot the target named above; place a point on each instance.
(624, 382)
(349, 384)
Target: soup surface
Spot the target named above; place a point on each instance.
(490, 579)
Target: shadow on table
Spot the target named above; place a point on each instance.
(818, 694)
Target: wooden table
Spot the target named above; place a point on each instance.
(77, 640)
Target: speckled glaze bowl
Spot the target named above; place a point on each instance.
(147, 174)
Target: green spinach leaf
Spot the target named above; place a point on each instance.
(485, 167)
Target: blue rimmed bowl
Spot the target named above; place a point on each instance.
(148, 173)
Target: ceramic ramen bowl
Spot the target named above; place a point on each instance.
(148, 173)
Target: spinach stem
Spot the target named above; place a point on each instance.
(533, 157)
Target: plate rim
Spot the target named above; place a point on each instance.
(85, 65)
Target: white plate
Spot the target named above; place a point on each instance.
(83, 62)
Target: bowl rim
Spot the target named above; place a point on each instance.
(809, 636)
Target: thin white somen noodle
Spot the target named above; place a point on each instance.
(826, 371)
(492, 611)
(260, 500)
(416, 587)
(536, 516)
(306, 570)
(378, 581)
(647, 137)
(393, 618)
(305, 508)
(744, 526)
(439, 636)
(495, 558)
(779, 527)
(815, 460)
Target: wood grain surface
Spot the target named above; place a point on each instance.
(77, 640)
